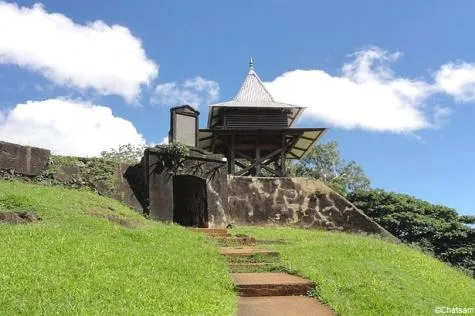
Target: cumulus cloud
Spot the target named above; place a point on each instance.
(67, 127)
(106, 58)
(457, 80)
(195, 92)
(165, 141)
(366, 95)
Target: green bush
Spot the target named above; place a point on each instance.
(435, 228)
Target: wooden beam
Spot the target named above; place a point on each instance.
(295, 156)
(252, 147)
(282, 160)
(256, 162)
(258, 158)
(213, 143)
(307, 138)
(232, 167)
(251, 160)
(206, 138)
(299, 148)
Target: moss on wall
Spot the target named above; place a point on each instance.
(96, 174)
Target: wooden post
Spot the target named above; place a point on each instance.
(282, 159)
(232, 157)
(283, 166)
(258, 158)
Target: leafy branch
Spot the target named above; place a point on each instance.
(172, 160)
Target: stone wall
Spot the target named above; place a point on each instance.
(25, 160)
(160, 187)
(230, 200)
(119, 181)
(294, 201)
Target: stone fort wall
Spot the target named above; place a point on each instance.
(119, 181)
(231, 200)
(299, 202)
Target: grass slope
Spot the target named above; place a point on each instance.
(359, 275)
(75, 261)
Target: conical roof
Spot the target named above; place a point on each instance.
(253, 90)
(253, 94)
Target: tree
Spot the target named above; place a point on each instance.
(129, 153)
(323, 162)
(435, 228)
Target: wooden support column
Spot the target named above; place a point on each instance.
(232, 157)
(283, 167)
(258, 159)
(282, 159)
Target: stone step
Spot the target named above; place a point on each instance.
(218, 235)
(250, 241)
(246, 251)
(250, 264)
(282, 306)
(271, 284)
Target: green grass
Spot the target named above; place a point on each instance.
(77, 262)
(358, 275)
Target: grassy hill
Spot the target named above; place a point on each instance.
(92, 255)
(358, 275)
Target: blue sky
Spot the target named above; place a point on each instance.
(394, 81)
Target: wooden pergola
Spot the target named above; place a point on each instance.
(255, 133)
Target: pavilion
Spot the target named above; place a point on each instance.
(255, 133)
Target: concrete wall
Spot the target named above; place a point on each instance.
(294, 201)
(25, 160)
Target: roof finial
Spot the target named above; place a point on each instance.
(251, 65)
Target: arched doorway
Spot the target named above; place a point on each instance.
(190, 207)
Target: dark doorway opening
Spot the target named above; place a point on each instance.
(190, 207)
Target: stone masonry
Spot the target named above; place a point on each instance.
(294, 201)
(229, 199)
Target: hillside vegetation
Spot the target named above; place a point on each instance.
(359, 275)
(92, 255)
(437, 229)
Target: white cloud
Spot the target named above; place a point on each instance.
(367, 95)
(106, 58)
(195, 92)
(67, 127)
(457, 80)
(164, 141)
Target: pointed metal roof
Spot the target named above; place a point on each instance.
(254, 94)
(252, 89)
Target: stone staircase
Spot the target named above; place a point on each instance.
(263, 285)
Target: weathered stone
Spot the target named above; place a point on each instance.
(19, 217)
(282, 306)
(294, 201)
(271, 284)
(211, 170)
(246, 252)
(24, 160)
(228, 199)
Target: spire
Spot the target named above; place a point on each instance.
(251, 66)
(253, 90)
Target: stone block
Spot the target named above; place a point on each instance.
(25, 160)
